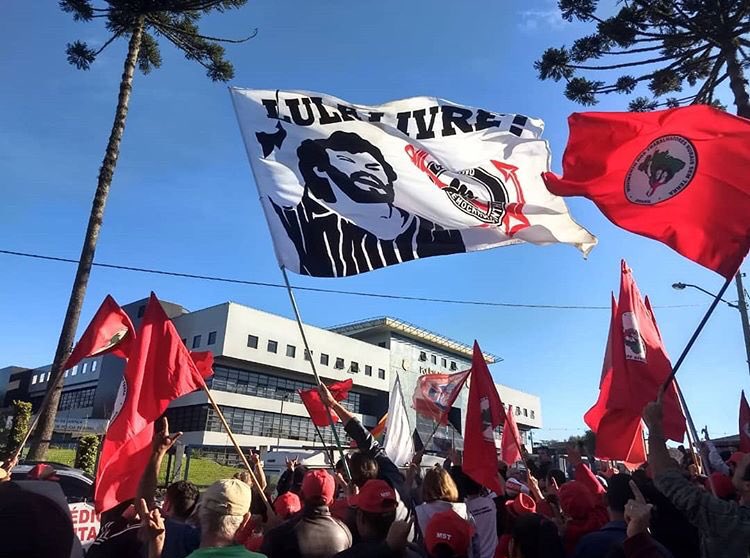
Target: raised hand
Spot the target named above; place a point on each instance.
(637, 512)
(292, 464)
(162, 441)
(325, 395)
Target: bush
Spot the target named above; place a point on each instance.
(19, 428)
(86, 453)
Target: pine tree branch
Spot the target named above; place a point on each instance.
(637, 63)
(157, 23)
(105, 45)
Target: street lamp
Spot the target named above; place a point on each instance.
(741, 306)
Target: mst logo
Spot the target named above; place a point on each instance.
(661, 171)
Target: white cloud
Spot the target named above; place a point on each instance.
(535, 20)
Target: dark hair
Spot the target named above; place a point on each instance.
(33, 525)
(378, 522)
(466, 485)
(556, 474)
(312, 154)
(183, 495)
(442, 550)
(619, 492)
(537, 537)
(363, 468)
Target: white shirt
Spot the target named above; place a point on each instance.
(484, 511)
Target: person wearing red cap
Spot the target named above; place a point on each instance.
(448, 535)
(314, 532)
(375, 506)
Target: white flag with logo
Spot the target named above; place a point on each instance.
(398, 443)
(350, 188)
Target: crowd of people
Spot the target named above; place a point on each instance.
(367, 506)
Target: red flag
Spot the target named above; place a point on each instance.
(435, 394)
(484, 413)
(318, 412)
(110, 330)
(744, 425)
(635, 366)
(678, 176)
(510, 447)
(159, 370)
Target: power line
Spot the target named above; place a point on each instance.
(327, 291)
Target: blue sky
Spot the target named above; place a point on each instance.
(183, 198)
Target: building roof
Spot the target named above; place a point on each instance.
(412, 331)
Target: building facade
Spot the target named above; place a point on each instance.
(261, 363)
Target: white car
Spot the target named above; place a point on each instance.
(75, 484)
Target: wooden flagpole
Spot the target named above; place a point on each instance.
(237, 447)
(692, 433)
(314, 370)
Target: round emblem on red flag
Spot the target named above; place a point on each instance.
(661, 171)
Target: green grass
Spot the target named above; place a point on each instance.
(202, 471)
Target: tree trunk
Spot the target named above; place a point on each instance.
(48, 411)
(737, 82)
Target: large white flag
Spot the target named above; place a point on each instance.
(350, 188)
(398, 443)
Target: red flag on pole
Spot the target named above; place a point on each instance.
(744, 425)
(110, 330)
(435, 394)
(484, 413)
(677, 176)
(160, 369)
(318, 411)
(635, 366)
(510, 447)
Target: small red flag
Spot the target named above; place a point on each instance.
(110, 330)
(435, 394)
(318, 412)
(510, 447)
(484, 413)
(744, 425)
(678, 176)
(159, 370)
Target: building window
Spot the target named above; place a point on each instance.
(184, 340)
(532, 413)
(141, 310)
(453, 365)
(273, 346)
(74, 370)
(252, 341)
(196, 341)
(422, 356)
(307, 354)
(381, 373)
(77, 399)
(211, 338)
(47, 378)
(291, 351)
(368, 370)
(245, 382)
(93, 365)
(84, 366)
(67, 372)
(354, 368)
(526, 412)
(324, 359)
(443, 363)
(518, 411)
(339, 363)
(33, 379)
(382, 344)
(433, 359)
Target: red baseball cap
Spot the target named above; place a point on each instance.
(450, 529)
(318, 484)
(42, 471)
(375, 496)
(722, 485)
(287, 505)
(521, 504)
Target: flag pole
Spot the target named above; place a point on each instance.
(314, 371)
(696, 333)
(427, 443)
(692, 433)
(236, 446)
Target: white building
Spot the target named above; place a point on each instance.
(260, 363)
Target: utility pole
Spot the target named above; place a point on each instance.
(742, 307)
